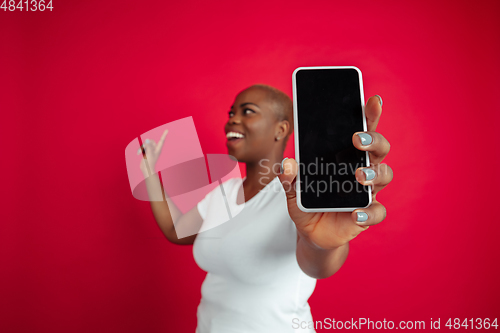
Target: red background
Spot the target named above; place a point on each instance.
(79, 253)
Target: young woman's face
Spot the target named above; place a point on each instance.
(250, 129)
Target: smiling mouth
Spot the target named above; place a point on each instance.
(234, 136)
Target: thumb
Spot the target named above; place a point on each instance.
(288, 177)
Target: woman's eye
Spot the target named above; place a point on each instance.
(231, 113)
(249, 111)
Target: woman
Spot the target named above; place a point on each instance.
(263, 264)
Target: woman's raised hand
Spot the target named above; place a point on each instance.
(329, 230)
(152, 150)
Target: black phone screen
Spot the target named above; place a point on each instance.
(329, 111)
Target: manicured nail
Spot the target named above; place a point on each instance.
(380, 98)
(147, 140)
(366, 139)
(361, 217)
(369, 173)
(282, 169)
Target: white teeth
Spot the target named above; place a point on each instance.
(231, 135)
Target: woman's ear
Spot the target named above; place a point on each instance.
(282, 130)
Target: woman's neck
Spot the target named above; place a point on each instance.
(261, 173)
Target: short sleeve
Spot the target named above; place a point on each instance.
(203, 204)
(212, 195)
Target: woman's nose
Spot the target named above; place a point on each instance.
(234, 120)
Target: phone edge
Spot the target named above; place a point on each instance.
(296, 138)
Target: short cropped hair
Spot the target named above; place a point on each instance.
(283, 106)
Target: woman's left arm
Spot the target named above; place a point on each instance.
(317, 262)
(323, 238)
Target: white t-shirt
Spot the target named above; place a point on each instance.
(253, 281)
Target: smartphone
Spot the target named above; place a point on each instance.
(328, 107)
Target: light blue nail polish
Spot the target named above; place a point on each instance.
(369, 174)
(380, 98)
(366, 139)
(147, 140)
(361, 217)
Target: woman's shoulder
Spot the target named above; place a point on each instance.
(233, 181)
(227, 185)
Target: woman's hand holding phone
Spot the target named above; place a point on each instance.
(330, 230)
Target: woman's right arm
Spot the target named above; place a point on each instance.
(165, 212)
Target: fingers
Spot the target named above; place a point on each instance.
(288, 177)
(373, 110)
(378, 175)
(156, 148)
(372, 215)
(147, 148)
(141, 148)
(146, 165)
(373, 142)
(162, 140)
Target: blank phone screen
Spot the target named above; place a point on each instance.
(329, 112)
